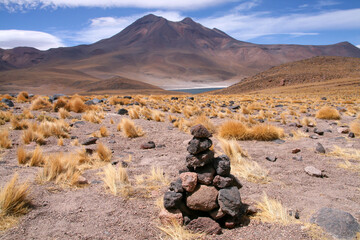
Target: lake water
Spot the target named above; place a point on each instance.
(196, 90)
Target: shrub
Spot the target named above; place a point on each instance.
(233, 130)
(266, 132)
(103, 152)
(41, 104)
(355, 128)
(129, 129)
(117, 180)
(328, 113)
(22, 97)
(5, 142)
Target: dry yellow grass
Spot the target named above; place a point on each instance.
(117, 180)
(18, 124)
(328, 113)
(5, 116)
(241, 166)
(37, 159)
(266, 132)
(76, 104)
(355, 128)
(5, 142)
(134, 113)
(93, 116)
(103, 131)
(58, 128)
(175, 231)
(23, 156)
(22, 97)
(14, 202)
(233, 130)
(272, 211)
(103, 152)
(346, 153)
(60, 168)
(63, 113)
(60, 142)
(27, 114)
(129, 129)
(41, 104)
(59, 104)
(310, 122)
(205, 121)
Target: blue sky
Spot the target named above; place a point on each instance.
(54, 23)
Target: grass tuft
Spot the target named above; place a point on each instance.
(355, 128)
(175, 231)
(117, 180)
(129, 129)
(328, 113)
(5, 142)
(41, 103)
(103, 152)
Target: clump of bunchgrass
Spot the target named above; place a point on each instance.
(5, 142)
(328, 113)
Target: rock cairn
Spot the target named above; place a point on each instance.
(205, 196)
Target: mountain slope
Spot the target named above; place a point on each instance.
(167, 54)
(313, 70)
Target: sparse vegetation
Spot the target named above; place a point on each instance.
(117, 180)
(5, 142)
(129, 129)
(328, 113)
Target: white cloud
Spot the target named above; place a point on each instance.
(249, 26)
(358, 46)
(40, 40)
(157, 4)
(247, 5)
(105, 27)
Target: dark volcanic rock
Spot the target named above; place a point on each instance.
(222, 165)
(340, 224)
(148, 145)
(203, 198)
(197, 145)
(199, 159)
(122, 111)
(172, 200)
(222, 182)
(90, 141)
(271, 159)
(8, 102)
(205, 174)
(199, 131)
(176, 186)
(320, 148)
(204, 225)
(229, 200)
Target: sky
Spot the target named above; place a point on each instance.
(45, 24)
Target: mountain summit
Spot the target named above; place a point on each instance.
(163, 53)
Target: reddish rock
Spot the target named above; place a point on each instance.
(222, 182)
(204, 225)
(188, 181)
(343, 130)
(200, 159)
(168, 217)
(296, 150)
(200, 131)
(82, 180)
(205, 174)
(204, 198)
(148, 145)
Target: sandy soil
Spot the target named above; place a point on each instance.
(92, 212)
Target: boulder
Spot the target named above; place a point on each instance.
(313, 171)
(204, 225)
(197, 145)
(122, 111)
(199, 131)
(176, 186)
(203, 198)
(200, 159)
(222, 182)
(205, 174)
(340, 224)
(172, 200)
(168, 217)
(8, 102)
(90, 141)
(222, 165)
(229, 200)
(189, 181)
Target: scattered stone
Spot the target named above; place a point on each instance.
(190, 98)
(271, 159)
(174, 98)
(229, 200)
(312, 171)
(222, 165)
(324, 98)
(172, 200)
(199, 131)
(222, 182)
(168, 217)
(204, 225)
(296, 150)
(340, 224)
(235, 107)
(351, 135)
(8, 102)
(122, 111)
(203, 198)
(197, 145)
(90, 141)
(339, 138)
(96, 100)
(279, 105)
(205, 175)
(298, 158)
(343, 130)
(251, 210)
(189, 181)
(57, 96)
(314, 137)
(148, 145)
(176, 186)
(127, 97)
(318, 132)
(279, 141)
(200, 159)
(90, 150)
(77, 124)
(320, 148)
(82, 180)
(90, 102)
(217, 214)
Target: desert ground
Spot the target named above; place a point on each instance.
(113, 189)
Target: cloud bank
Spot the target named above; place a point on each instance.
(14, 5)
(18, 38)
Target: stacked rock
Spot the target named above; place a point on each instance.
(205, 195)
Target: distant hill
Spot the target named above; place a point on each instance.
(159, 52)
(313, 70)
